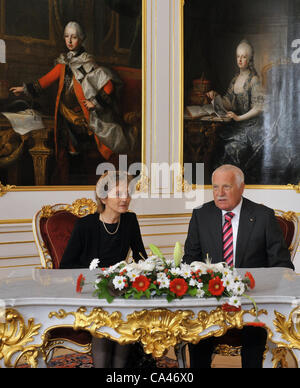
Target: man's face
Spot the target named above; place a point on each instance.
(227, 193)
(71, 38)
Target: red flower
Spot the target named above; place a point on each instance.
(141, 283)
(80, 283)
(227, 307)
(251, 280)
(179, 287)
(215, 286)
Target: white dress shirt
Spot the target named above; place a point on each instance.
(235, 224)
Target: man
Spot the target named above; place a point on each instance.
(242, 233)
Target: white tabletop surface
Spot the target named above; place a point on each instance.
(53, 287)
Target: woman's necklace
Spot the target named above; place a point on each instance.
(107, 231)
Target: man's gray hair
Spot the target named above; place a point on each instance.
(239, 175)
(79, 30)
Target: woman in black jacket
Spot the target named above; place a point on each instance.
(107, 235)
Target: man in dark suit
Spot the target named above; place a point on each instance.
(254, 239)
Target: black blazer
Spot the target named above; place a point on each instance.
(84, 243)
(260, 241)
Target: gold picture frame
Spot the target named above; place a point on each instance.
(288, 185)
(31, 44)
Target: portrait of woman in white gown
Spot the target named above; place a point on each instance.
(241, 140)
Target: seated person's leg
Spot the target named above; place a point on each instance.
(120, 355)
(201, 354)
(102, 350)
(254, 341)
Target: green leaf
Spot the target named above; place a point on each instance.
(170, 296)
(192, 291)
(156, 251)
(102, 291)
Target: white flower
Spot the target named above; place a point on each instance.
(200, 285)
(235, 301)
(185, 271)
(227, 272)
(146, 266)
(133, 274)
(200, 293)
(199, 266)
(132, 267)
(164, 282)
(116, 268)
(94, 264)
(175, 271)
(238, 288)
(119, 283)
(228, 282)
(193, 282)
(218, 267)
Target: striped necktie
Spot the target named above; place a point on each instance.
(228, 239)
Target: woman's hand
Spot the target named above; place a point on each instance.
(88, 104)
(17, 90)
(211, 94)
(233, 116)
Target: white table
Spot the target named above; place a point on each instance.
(34, 303)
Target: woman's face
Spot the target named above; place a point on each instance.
(243, 57)
(71, 38)
(118, 199)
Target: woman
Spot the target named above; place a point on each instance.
(241, 141)
(85, 103)
(108, 234)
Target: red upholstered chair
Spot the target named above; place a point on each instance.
(52, 228)
(290, 225)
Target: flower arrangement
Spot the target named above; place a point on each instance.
(157, 276)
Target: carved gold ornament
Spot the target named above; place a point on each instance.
(158, 329)
(279, 357)
(14, 337)
(143, 183)
(295, 187)
(289, 329)
(5, 189)
(80, 208)
(181, 184)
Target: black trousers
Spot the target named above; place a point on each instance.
(253, 342)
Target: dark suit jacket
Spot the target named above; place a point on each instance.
(260, 241)
(84, 244)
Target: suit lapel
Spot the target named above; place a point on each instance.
(246, 224)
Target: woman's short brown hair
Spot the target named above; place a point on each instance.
(108, 181)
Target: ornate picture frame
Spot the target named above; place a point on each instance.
(267, 151)
(29, 160)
